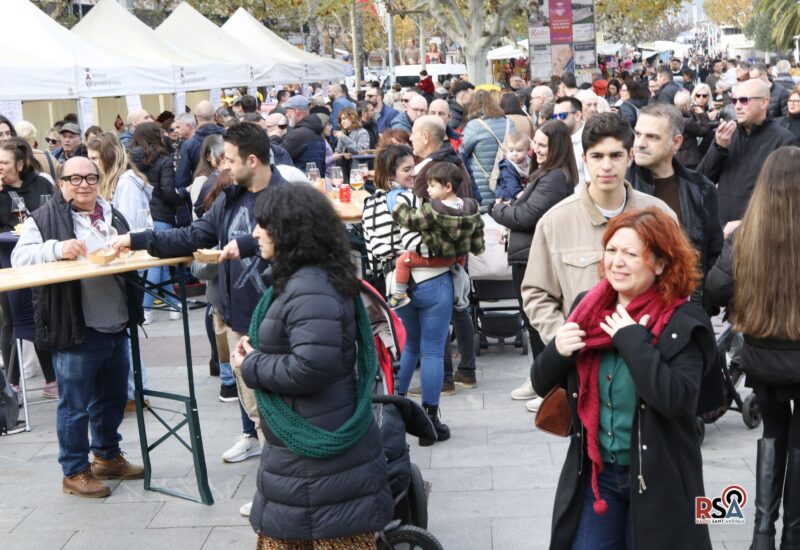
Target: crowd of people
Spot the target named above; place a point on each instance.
(633, 209)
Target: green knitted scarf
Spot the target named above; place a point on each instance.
(299, 435)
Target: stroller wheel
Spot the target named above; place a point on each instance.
(700, 427)
(751, 413)
(408, 537)
(417, 499)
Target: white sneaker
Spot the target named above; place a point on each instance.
(524, 392)
(534, 404)
(148, 317)
(175, 315)
(245, 509)
(244, 448)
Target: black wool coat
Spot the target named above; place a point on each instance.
(307, 355)
(666, 465)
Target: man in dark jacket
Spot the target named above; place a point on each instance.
(656, 171)
(190, 149)
(739, 150)
(667, 87)
(71, 145)
(85, 324)
(228, 224)
(462, 92)
(384, 115)
(304, 142)
(778, 94)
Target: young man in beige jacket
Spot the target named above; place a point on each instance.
(567, 244)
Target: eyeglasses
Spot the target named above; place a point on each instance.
(561, 116)
(794, 101)
(76, 180)
(701, 95)
(745, 100)
(51, 141)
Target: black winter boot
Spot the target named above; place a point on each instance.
(790, 539)
(442, 431)
(770, 470)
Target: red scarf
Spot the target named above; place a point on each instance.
(599, 302)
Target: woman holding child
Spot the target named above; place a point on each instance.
(553, 177)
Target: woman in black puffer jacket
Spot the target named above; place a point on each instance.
(151, 156)
(306, 359)
(553, 178)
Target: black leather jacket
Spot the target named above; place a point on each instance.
(699, 212)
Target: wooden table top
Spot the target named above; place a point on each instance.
(350, 212)
(28, 276)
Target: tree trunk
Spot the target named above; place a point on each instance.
(356, 60)
(475, 57)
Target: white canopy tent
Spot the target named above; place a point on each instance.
(196, 34)
(509, 51)
(246, 28)
(63, 65)
(112, 27)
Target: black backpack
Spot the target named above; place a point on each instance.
(9, 406)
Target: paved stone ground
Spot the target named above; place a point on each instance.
(493, 483)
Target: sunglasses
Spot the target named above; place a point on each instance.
(561, 116)
(745, 100)
(701, 95)
(51, 141)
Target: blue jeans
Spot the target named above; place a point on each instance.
(157, 275)
(614, 529)
(92, 378)
(427, 323)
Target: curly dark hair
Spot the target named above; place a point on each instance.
(306, 230)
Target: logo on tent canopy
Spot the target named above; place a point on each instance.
(88, 78)
(252, 73)
(182, 77)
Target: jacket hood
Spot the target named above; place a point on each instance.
(312, 122)
(446, 154)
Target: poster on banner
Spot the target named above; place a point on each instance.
(85, 112)
(561, 37)
(12, 110)
(133, 102)
(180, 103)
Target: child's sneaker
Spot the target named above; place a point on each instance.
(396, 301)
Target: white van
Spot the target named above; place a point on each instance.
(408, 75)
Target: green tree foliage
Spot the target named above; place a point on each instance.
(783, 18)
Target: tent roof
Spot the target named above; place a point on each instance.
(43, 60)
(246, 28)
(509, 51)
(190, 30)
(110, 26)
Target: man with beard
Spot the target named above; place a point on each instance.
(229, 224)
(304, 142)
(384, 115)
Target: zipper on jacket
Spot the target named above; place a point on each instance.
(642, 485)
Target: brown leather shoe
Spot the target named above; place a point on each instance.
(115, 468)
(131, 405)
(85, 485)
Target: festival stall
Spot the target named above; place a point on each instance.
(246, 28)
(508, 60)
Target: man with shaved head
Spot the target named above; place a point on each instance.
(416, 106)
(740, 149)
(189, 156)
(440, 108)
(85, 324)
(135, 118)
(277, 126)
(338, 102)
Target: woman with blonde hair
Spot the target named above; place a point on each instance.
(484, 132)
(767, 311)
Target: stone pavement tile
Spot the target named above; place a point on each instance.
(479, 455)
(29, 492)
(463, 400)
(181, 513)
(60, 510)
(37, 540)
(526, 477)
(737, 545)
(10, 517)
(135, 539)
(228, 538)
(459, 479)
(20, 452)
(463, 533)
(524, 533)
(451, 505)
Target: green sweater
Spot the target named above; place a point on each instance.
(445, 235)
(617, 406)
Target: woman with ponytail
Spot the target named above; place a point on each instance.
(631, 357)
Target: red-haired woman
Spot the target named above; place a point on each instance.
(631, 356)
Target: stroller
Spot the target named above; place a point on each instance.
(397, 416)
(731, 374)
(495, 310)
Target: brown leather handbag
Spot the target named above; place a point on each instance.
(553, 416)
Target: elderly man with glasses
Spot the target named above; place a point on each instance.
(740, 148)
(84, 323)
(416, 106)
